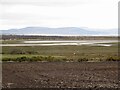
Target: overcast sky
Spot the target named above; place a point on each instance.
(98, 14)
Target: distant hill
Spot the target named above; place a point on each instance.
(72, 31)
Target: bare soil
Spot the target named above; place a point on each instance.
(60, 75)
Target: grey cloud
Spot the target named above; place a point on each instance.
(29, 17)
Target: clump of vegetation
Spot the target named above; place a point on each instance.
(19, 59)
(112, 59)
(82, 59)
(37, 58)
(55, 59)
(7, 59)
(49, 58)
(24, 58)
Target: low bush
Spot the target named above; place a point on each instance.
(53, 59)
(112, 59)
(7, 59)
(82, 59)
(38, 58)
(20, 59)
(49, 58)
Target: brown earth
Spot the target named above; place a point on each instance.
(60, 74)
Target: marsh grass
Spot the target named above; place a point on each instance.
(60, 53)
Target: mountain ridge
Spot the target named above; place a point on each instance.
(58, 31)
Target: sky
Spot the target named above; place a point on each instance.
(94, 14)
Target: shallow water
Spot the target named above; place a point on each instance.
(53, 43)
(69, 41)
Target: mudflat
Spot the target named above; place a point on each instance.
(60, 74)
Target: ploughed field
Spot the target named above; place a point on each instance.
(60, 74)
